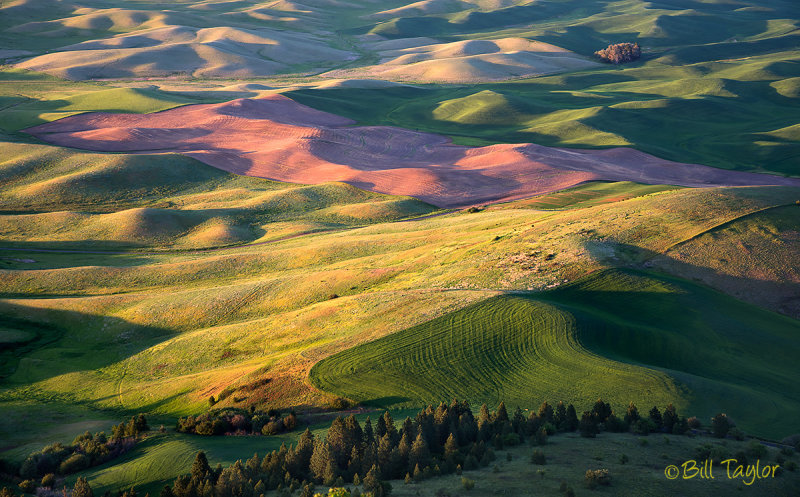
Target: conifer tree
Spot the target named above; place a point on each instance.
(354, 466)
(200, 468)
(588, 425)
(321, 459)
(403, 451)
(451, 449)
(390, 428)
(655, 417)
(369, 435)
(669, 418)
(417, 473)
(420, 453)
(82, 488)
(484, 416)
(546, 412)
(385, 453)
(571, 421)
(380, 427)
(632, 414)
(560, 416)
(502, 413)
(337, 438)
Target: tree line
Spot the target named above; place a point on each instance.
(440, 440)
(238, 422)
(40, 468)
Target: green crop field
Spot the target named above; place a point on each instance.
(557, 345)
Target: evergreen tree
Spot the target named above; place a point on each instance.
(601, 410)
(655, 417)
(417, 473)
(632, 415)
(546, 412)
(484, 417)
(354, 435)
(588, 425)
(321, 460)
(403, 451)
(82, 488)
(390, 428)
(408, 429)
(200, 467)
(385, 454)
(298, 460)
(380, 427)
(354, 466)
(669, 418)
(141, 424)
(420, 453)
(338, 440)
(371, 481)
(369, 435)
(166, 492)
(571, 422)
(518, 422)
(560, 416)
(502, 413)
(451, 450)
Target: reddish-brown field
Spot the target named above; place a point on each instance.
(276, 138)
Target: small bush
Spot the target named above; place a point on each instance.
(541, 437)
(597, 477)
(756, 449)
(467, 484)
(720, 425)
(644, 426)
(340, 403)
(538, 457)
(74, 463)
(737, 434)
(623, 459)
(694, 423)
(48, 480)
(27, 486)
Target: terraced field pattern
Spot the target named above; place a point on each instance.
(305, 205)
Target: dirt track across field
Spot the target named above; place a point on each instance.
(276, 138)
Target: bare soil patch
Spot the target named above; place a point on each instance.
(276, 138)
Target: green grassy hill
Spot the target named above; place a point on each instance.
(90, 200)
(675, 341)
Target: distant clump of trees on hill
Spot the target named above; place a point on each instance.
(40, 468)
(441, 440)
(620, 53)
(238, 422)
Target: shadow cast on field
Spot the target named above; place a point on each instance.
(775, 296)
(69, 342)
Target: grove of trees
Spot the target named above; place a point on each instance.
(619, 53)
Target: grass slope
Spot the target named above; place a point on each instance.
(90, 200)
(557, 346)
(590, 194)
